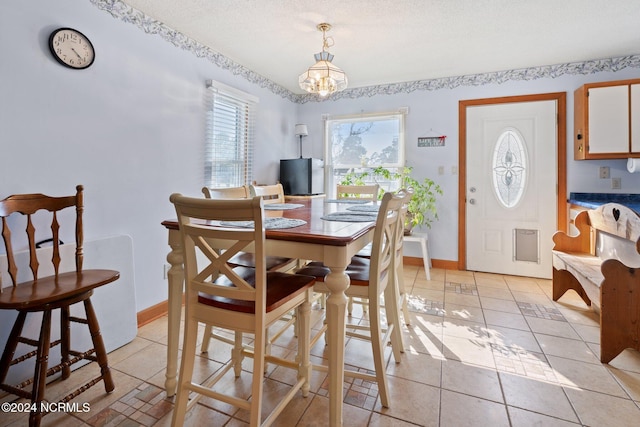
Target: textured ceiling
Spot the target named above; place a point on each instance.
(382, 41)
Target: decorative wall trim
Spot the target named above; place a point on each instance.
(126, 13)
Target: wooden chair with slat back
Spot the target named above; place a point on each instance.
(273, 193)
(226, 192)
(358, 192)
(45, 294)
(245, 300)
(244, 259)
(373, 279)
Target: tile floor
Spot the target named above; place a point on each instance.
(481, 350)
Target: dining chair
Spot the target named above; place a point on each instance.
(358, 192)
(273, 193)
(44, 294)
(226, 192)
(244, 300)
(246, 259)
(373, 279)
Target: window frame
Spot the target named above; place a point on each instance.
(243, 130)
(331, 179)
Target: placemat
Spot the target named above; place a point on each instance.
(282, 206)
(347, 201)
(364, 208)
(350, 217)
(269, 223)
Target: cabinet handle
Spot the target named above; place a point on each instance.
(579, 136)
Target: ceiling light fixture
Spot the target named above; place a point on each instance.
(323, 77)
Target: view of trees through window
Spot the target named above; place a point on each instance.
(363, 143)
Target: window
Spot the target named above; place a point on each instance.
(509, 168)
(230, 137)
(361, 143)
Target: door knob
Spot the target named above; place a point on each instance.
(472, 189)
(472, 201)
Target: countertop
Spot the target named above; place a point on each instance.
(594, 200)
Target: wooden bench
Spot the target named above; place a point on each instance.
(602, 264)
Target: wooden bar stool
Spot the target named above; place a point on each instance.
(45, 294)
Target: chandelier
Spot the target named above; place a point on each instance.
(323, 77)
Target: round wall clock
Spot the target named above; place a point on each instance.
(71, 48)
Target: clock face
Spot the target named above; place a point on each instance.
(71, 48)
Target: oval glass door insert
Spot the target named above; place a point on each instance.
(509, 168)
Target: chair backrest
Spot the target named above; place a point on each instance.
(358, 192)
(28, 205)
(226, 193)
(273, 193)
(385, 235)
(193, 216)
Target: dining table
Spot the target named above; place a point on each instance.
(333, 242)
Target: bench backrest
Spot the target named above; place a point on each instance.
(617, 233)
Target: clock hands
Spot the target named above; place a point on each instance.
(77, 54)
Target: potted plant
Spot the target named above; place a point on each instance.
(422, 206)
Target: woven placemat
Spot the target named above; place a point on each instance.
(364, 208)
(269, 223)
(350, 217)
(282, 206)
(356, 202)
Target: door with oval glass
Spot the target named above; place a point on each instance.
(511, 181)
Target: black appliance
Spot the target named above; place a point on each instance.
(302, 177)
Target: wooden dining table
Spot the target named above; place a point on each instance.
(332, 242)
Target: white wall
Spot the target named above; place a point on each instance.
(438, 111)
(130, 128)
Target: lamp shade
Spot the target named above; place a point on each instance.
(301, 130)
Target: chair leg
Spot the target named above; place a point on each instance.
(40, 376)
(186, 372)
(257, 378)
(236, 354)
(378, 350)
(303, 324)
(392, 312)
(12, 344)
(206, 338)
(65, 340)
(98, 345)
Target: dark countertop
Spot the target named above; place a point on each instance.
(594, 200)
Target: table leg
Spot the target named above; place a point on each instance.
(176, 283)
(337, 282)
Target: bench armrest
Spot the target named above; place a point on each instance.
(582, 243)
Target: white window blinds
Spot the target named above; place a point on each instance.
(230, 137)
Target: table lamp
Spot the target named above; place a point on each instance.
(301, 131)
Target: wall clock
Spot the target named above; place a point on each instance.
(71, 48)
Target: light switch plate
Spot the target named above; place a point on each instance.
(616, 183)
(604, 172)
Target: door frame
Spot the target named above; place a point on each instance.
(561, 158)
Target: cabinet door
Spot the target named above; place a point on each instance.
(635, 118)
(609, 119)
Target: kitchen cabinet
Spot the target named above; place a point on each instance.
(607, 120)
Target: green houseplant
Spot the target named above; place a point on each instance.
(422, 206)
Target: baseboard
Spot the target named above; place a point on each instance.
(154, 312)
(435, 263)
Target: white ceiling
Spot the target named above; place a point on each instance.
(392, 41)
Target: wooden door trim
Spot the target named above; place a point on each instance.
(561, 158)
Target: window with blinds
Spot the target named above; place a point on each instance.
(230, 137)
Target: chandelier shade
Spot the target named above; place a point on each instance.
(323, 78)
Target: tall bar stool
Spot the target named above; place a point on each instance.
(45, 294)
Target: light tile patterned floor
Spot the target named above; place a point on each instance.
(481, 350)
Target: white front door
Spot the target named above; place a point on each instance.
(511, 181)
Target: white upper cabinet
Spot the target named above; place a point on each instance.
(607, 120)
